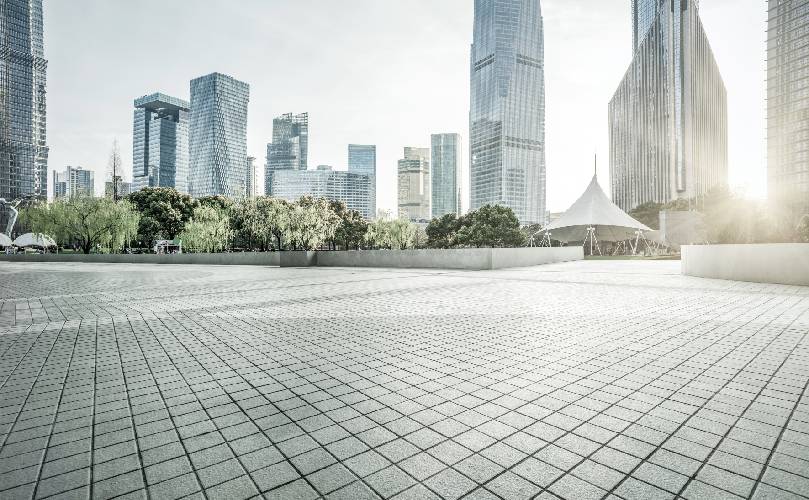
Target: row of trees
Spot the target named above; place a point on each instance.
(216, 223)
(731, 218)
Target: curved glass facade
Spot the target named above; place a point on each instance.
(507, 108)
(218, 136)
(23, 148)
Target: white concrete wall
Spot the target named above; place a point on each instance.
(783, 263)
(523, 257)
(215, 259)
(457, 258)
(460, 258)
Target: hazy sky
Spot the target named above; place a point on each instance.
(385, 72)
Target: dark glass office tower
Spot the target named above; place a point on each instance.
(23, 148)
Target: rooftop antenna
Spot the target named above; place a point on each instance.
(595, 165)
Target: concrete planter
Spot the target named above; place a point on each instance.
(457, 258)
(782, 263)
(211, 259)
(298, 259)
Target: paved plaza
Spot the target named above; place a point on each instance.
(585, 380)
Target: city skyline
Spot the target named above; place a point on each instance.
(597, 44)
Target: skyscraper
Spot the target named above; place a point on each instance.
(668, 118)
(445, 174)
(23, 149)
(362, 160)
(289, 149)
(74, 181)
(251, 177)
(218, 136)
(507, 109)
(160, 142)
(787, 106)
(414, 184)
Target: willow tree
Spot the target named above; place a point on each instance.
(208, 231)
(88, 222)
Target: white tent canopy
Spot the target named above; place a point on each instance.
(5, 241)
(34, 240)
(594, 210)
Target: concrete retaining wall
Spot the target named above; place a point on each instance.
(783, 263)
(460, 258)
(214, 259)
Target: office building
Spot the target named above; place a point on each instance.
(414, 184)
(23, 147)
(362, 160)
(124, 188)
(787, 104)
(507, 108)
(445, 174)
(251, 177)
(160, 142)
(668, 118)
(218, 136)
(74, 181)
(324, 182)
(289, 149)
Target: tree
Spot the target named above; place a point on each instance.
(86, 221)
(208, 231)
(115, 168)
(311, 223)
(441, 231)
(803, 229)
(378, 234)
(257, 222)
(217, 201)
(402, 234)
(490, 226)
(648, 213)
(164, 212)
(351, 229)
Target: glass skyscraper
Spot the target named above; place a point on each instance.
(160, 142)
(218, 136)
(643, 15)
(414, 184)
(445, 174)
(668, 118)
(289, 149)
(23, 149)
(351, 188)
(74, 181)
(507, 108)
(787, 104)
(362, 160)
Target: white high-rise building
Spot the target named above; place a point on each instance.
(414, 184)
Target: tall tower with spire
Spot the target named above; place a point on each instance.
(23, 148)
(507, 108)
